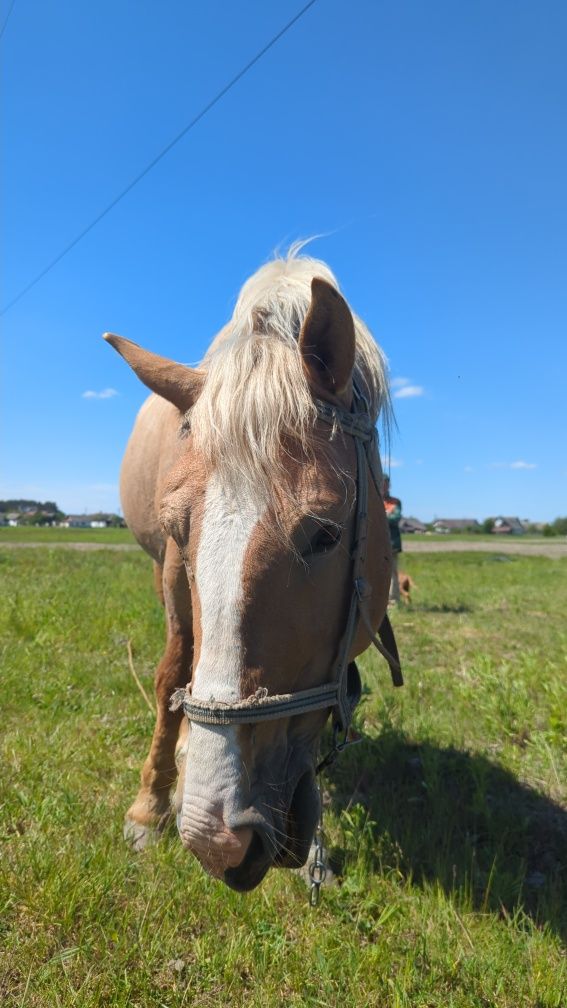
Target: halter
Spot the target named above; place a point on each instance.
(342, 694)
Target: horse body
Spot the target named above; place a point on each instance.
(151, 453)
(246, 501)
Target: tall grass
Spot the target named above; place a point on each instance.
(447, 826)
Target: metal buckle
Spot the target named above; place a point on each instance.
(349, 738)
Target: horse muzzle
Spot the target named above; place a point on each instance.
(281, 841)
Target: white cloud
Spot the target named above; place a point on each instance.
(394, 463)
(468, 469)
(409, 391)
(405, 389)
(106, 393)
(520, 464)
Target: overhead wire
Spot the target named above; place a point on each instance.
(145, 171)
(7, 18)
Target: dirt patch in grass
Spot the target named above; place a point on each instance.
(502, 547)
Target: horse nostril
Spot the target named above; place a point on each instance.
(245, 836)
(251, 870)
(259, 845)
(254, 846)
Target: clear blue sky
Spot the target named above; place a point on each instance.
(428, 139)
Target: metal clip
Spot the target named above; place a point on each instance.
(350, 738)
(317, 868)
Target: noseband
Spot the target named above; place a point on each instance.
(342, 694)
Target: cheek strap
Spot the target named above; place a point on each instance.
(342, 694)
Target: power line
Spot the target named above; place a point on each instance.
(161, 155)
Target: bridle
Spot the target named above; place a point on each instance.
(342, 693)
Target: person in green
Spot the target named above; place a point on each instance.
(393, 507)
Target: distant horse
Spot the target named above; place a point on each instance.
(406, 585)
(252, 482)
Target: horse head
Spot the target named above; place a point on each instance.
(260, 506)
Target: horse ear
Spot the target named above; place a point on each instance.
(178, 384)
(327, 339)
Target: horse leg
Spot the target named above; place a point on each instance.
(158, 581)
(151, 809)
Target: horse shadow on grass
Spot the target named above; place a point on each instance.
(440, 608)
(457, 819)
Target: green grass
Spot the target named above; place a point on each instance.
(33, 534)
(448, 824)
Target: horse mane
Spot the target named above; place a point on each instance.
(256, 398)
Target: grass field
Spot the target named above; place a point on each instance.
(448, 824)
(35, 534)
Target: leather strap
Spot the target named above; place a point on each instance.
(343, 692)
(258, 707)
(360, 426)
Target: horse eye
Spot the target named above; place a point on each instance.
(324, 540)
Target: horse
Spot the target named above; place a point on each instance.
(253, 482)
(406, 584)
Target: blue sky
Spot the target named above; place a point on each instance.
(428, 141)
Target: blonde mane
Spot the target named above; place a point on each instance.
(256, 398)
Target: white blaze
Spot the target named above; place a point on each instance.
(213, 765)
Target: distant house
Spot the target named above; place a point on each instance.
(85, 521)
(92, 521)
(530, 526)
(77, 521)
(410, 525)
(13, 518)
(508, 526)
(446, 525)
(104, 520)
